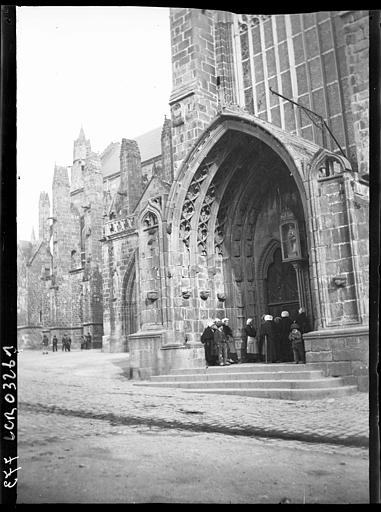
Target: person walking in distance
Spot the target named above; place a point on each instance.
(45, 344)
(63, 343)
(232, 352)
(55, 343)
(68, 343)
(88, 340)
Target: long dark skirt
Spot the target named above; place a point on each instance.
(211, 353)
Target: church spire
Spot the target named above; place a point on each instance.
(81, 135)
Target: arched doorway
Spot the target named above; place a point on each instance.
(229, 212)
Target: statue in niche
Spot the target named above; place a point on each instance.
(188, 210)
(204, 215)
(150, 220)
(115, 285)
(291, 240)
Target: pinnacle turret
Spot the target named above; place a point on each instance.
(82, 147)
(81, 135)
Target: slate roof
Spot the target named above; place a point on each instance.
(149, 145)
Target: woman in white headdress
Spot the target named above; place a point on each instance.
(268, 339)
(286, 354)
(250, 347)
(207, 339)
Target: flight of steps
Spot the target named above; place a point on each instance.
(281, 381)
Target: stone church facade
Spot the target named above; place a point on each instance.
(254, 204)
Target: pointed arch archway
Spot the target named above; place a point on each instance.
(129, 300)
(223, 209)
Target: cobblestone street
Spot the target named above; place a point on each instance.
(98, 438)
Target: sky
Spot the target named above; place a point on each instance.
(107, 69)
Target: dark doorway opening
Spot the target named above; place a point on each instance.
(281, 287)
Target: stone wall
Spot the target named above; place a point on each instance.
(151, 355)
(62, 246)
(341, 302)
(118, 261)
(194, 96)
(356, 34)
(29, 337)
(224, 58)
(44, 214)
(93, 192)
(22, 283)
(340, 352)
(37, 270)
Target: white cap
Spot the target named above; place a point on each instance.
(268, 317)
(284, 314)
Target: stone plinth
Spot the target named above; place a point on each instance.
(114, 344)
(151, 355)
(28, 337)
(340, 352)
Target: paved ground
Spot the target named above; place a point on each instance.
(79, 411)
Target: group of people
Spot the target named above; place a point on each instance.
(219, 344)
(86, 342)
(65, 343)
(277, 340)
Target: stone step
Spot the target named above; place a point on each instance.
(281, 394)
(279, 381)
(246, 367)
(232, 375)
(329, 382)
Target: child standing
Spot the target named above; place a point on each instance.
(296, 339)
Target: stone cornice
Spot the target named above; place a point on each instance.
(77, 191)
(179, 93)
